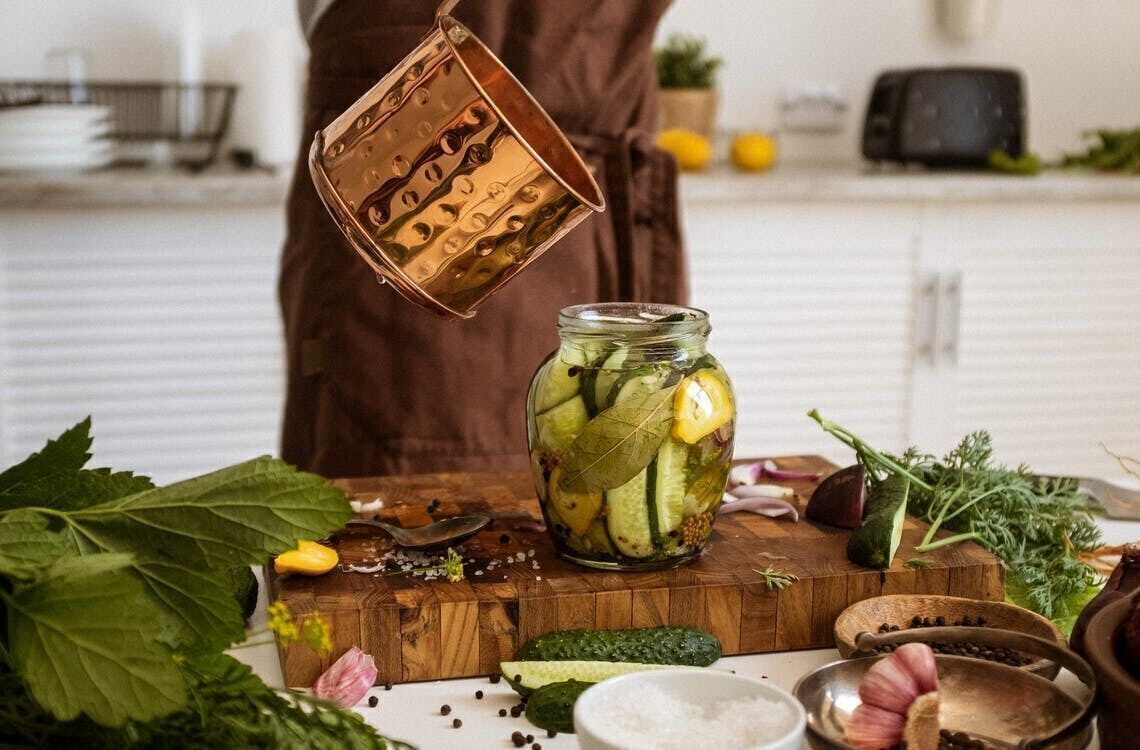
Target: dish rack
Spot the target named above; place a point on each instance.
(193, 118)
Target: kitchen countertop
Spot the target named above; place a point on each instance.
(410, 712)
(223, 187)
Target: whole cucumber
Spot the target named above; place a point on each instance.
(662, 645)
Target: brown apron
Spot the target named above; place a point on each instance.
(379, 386)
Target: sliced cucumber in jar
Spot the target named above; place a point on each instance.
(560, 379)
(667, 501)
(608, 374)
(557, 427)
(627, 517)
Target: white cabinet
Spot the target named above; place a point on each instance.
(160, 323)
(913, 320)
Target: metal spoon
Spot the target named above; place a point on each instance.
(439, 534)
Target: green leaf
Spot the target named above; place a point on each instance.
(72, 490)
(233, 516)
(27, 546)
(200, 608)
(66, 454)
(617, 444)
(84, 644)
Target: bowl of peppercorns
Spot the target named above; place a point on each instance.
(898, 612)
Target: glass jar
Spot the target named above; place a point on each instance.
(630, 425)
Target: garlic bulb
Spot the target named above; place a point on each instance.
(899, 694)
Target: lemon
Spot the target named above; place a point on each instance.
(702, 404)
(691, 150)
(753, 152)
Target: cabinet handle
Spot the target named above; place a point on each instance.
(926, 325)
(952, 315)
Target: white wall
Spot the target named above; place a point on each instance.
(1080, 57)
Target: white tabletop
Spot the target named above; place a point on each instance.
(411, 712)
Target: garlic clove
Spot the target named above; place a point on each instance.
(888, 685)
(873, 728)
(921, 729)
(918, 660)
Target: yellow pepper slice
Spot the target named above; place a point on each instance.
(310, 559)
(702, 404)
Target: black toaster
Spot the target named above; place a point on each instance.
(945, 117)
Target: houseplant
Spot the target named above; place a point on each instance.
(686, 79)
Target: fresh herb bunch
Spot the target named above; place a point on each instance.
(683, 64)
(1038, 527)
(116, 602)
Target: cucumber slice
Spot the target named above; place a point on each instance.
(560, 380)
(557, 427)
(588, 389)
(638, 382)
(609, 374)
(669, 488)
(597, 540)
(577, 509)
(527, 676)
(627, 517)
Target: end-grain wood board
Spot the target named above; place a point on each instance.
(423, 630)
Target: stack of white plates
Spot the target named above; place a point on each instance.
(55, 137)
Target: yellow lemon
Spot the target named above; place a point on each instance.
(753, 152)
(691, 150)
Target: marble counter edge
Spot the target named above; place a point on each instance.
(123, 188)
(131, 188)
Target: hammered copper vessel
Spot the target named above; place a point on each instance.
(447, 177)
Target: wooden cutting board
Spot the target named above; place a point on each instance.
(423, 630)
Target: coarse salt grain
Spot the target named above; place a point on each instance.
(659, 720)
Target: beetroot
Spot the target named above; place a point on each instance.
(838, 500)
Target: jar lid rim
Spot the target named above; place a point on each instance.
(640, 317)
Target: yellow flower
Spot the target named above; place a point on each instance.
(453, 566)
(281, 623)
(315, 631)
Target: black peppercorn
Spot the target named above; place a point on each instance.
(495, 678)
(445, 709)
(372, 701)
(387, 686)
(504, 539)
(536, 746)
(551, 733)
(502, 712)
(530, 738)
(518, 739)
(457, 723)
(478, 695)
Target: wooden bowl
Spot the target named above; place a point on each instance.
(898, 609)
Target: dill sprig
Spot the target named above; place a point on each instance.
(776, 579)
(1037, 526)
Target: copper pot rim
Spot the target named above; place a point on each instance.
(597, 203)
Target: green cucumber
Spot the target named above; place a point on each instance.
(588, 389)
(557, 427)
(877, 539)
(560, 379)
(662, 645)
(627, 517)
(640, 381)
(667, 502)
(609, 374)
(527, 676)
(551, 707)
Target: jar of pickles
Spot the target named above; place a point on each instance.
(630, 424)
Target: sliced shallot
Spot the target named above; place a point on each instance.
(772, 507)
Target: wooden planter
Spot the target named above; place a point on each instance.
(691, 109)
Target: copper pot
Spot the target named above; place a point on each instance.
(447, 177)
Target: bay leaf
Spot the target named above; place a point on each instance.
(618, 443)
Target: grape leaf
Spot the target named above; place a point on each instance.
(618, 443)
(84, 643)
(200, 609)
(27, 545)
(234, 516)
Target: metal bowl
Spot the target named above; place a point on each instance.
(1001, 705)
